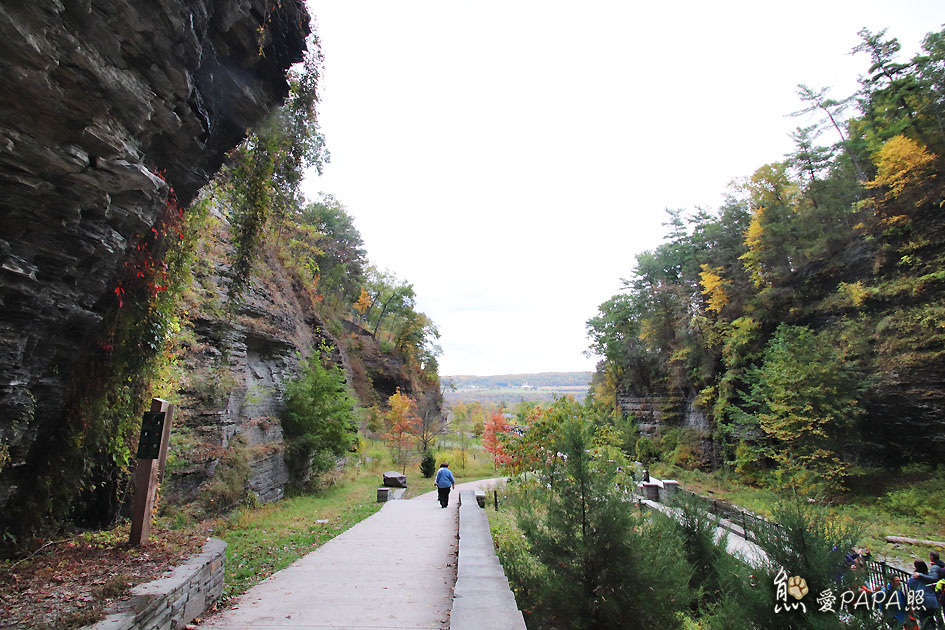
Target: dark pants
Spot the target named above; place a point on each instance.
(443, 494)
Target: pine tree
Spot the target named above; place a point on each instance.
(602, 566)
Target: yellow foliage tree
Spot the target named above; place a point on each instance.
(364, 301)
(905, 169)
(754, 241)
(713, 285)
(403, 426)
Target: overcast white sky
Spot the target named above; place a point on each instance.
(511, 158)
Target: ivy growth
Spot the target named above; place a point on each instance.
(263, 176)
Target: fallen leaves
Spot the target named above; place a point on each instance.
(70, 585)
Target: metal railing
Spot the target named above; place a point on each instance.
(873, 574)
(736, 520)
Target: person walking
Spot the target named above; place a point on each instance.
(444, 483)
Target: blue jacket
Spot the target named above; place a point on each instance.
(930, 601)
(444, 478)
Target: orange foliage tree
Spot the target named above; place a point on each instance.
(403, 427)
(492, 438)
(363, 303)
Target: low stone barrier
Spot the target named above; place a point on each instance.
(173, 601)
(482, 597)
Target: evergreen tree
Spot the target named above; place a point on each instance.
(428, 464)
(804, 396)
(601, 566)
(319, 420)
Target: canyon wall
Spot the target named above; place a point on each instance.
(107, 107)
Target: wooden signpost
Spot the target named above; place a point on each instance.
(152, 455)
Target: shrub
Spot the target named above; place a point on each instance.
(319, 421)
(428, 465)
(228, 486)
(923, 501)
(647, 451)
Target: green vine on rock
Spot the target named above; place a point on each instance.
(86, 461)
(263, 176)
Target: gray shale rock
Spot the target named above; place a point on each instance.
(99, 99)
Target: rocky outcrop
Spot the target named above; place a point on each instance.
(394, 479)
(106, 106)
(656, 414)
(236, 370)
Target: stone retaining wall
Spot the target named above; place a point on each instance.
(482, 597)
(171, 602)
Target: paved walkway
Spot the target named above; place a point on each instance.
(395, 569)
(735, 545)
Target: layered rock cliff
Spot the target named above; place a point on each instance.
(106, 106)
(227, 442)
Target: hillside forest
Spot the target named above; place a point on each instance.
(797, 332)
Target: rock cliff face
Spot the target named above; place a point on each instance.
(657, 413)
(235, 369)
(227, 439)
(106, 105)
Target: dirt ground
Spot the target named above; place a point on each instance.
(70, 583)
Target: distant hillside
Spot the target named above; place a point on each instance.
(541, 379)
(512, 388)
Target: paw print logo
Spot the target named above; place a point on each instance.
(797, 587)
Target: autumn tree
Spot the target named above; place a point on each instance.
(906, 175)
(531, 450)
(492, 438)
(461, 437)
(363, 303)
(713, 287)
(403, 426)
(432, 421)
(373, 420)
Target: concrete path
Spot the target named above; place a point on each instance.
(395, 569)
(735, 545)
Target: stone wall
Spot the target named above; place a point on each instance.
(174, 601)
(106, 105)
(482, 597)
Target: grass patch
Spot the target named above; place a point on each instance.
(268, 539)
(476, 464)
